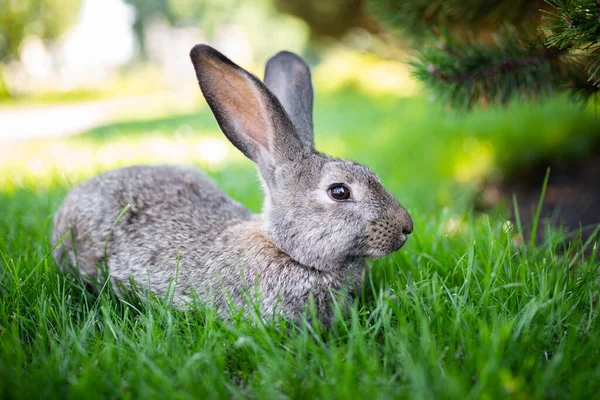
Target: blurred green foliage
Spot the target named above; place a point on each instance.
(419, 20)
(46, 19)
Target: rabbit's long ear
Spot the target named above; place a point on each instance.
(288, 78)
(248, 113)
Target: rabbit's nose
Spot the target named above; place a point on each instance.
(406, 222)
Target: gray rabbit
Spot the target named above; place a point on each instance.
(321, 218)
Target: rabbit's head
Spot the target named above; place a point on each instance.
(322, 211)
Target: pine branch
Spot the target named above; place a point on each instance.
(553, 45)
(470, 74)
(581, 85)
(422, 19)
(573, 24)
(491, 71)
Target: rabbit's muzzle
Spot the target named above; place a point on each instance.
(388, 234)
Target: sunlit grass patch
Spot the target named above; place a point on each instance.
(369, 73)
(41, 163)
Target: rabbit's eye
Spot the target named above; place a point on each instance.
(339, 192)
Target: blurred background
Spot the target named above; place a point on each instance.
(457, 105)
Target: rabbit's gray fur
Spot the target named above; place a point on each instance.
(288, 78)
(181, 226)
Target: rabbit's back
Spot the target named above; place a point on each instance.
(173, 211)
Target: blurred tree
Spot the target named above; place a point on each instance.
(47, 19)
(331, 18)
(486, 52)
(145, 11)
(265, 27)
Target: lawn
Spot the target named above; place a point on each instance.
(467, 309)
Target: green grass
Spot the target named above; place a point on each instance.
(464, 310)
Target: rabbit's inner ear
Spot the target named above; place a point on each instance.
(241, 104)
(242, 109)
